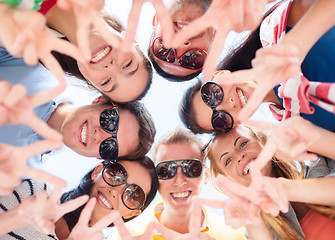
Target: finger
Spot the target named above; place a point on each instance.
(122, 229)
(16, 93)
(45, 177)
(132, 26)
(73, 204)
(165, 20)
(197, 26)
(252, 16)
(237, 14)
(267, 126)
(53, 66)
(214, 53)
(263, 157)
(38, 147)
(106, 221)
(212, 203)
(231, 188)
(30, 54)
(307, 156)
(167, 233)
(46, 96)
(86, 213)
(83, 35)
(278, 195)
(67, 48)
(43, 129)
(5, 88)
(254, 214)
(148, 232)
(195, 221)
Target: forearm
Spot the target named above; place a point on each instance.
(314, 190)
(10, 221)
(259, 231)
(315, 23)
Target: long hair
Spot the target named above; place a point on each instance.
(280, 224)
(86, 184)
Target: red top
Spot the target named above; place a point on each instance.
(46, 5)
(317, 226)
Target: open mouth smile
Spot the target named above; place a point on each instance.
(100, 55)
(242, 97)
(104, 201)
(83, 136)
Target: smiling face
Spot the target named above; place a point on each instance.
(82, 132)
(121, 79)
(233, 152)
(109, 198)
(235, 97)
(182, 13)
(177, 192)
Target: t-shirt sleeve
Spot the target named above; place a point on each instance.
(324, 167)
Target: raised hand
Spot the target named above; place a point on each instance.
(25, 34)
(272, 66)
(288, 140)
(265, 192)
(125, 234)
(16, 107)
(223, 15)
(83, 231)
(163, 17)
(43, 211)
(13, 165)
(194, 227)
(88, 14)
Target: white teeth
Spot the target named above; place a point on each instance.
(84, 133)
(242, 97)
(99, 55)
(180, 25)
(104, 200)
(246, 169)
(181, 194)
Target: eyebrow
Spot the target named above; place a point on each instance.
(234, 146)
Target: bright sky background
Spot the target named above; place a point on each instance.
(162, 102)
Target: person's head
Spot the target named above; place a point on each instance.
(185, 62)
(123, 79)
(107, 131)
(179, 148)
(127, 186)
(214, 105)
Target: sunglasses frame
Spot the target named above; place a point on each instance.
(114, 134)
(177, 59)
(180, 160)
(106, 165)
(215, 112)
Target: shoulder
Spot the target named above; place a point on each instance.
(219, 230)
(324, 167)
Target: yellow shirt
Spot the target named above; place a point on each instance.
(213, 225)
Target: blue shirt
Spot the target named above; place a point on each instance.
(35, 79)
(319, 66)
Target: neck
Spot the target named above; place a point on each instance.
(61, 229)
(58, 117)
(175, 222)
(62, 21)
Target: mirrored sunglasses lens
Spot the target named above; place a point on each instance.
(222, 121)
(109, 149)
(193, 59)
(109, 119)
(133, 196)
(212, 94)
(166, 170)
(115, 174)
(192, 168)
(163, 53)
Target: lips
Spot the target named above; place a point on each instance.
(101, 54)
(242, 97)
(246, 169)
(181, 196)
(104, 201)
(83, 133)
(180, 25)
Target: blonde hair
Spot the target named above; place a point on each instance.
(178, 135)
(280, 224)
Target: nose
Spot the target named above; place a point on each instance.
(241, 157)
(182, 49)
(99, 134)
(228, 103)
(180, 178)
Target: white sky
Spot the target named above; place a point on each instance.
(162, 101)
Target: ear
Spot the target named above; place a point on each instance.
(154, 21)
(97, 170)
(132, 213)
(207, 175)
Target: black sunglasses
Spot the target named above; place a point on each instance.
(109, 121)
(193, 59)
(192, 168)
(133, 196)
(212, 95)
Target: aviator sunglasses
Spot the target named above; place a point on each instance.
(193, 59)
(191, 168)
(212, 95)
(109, 121)
(133, 196)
